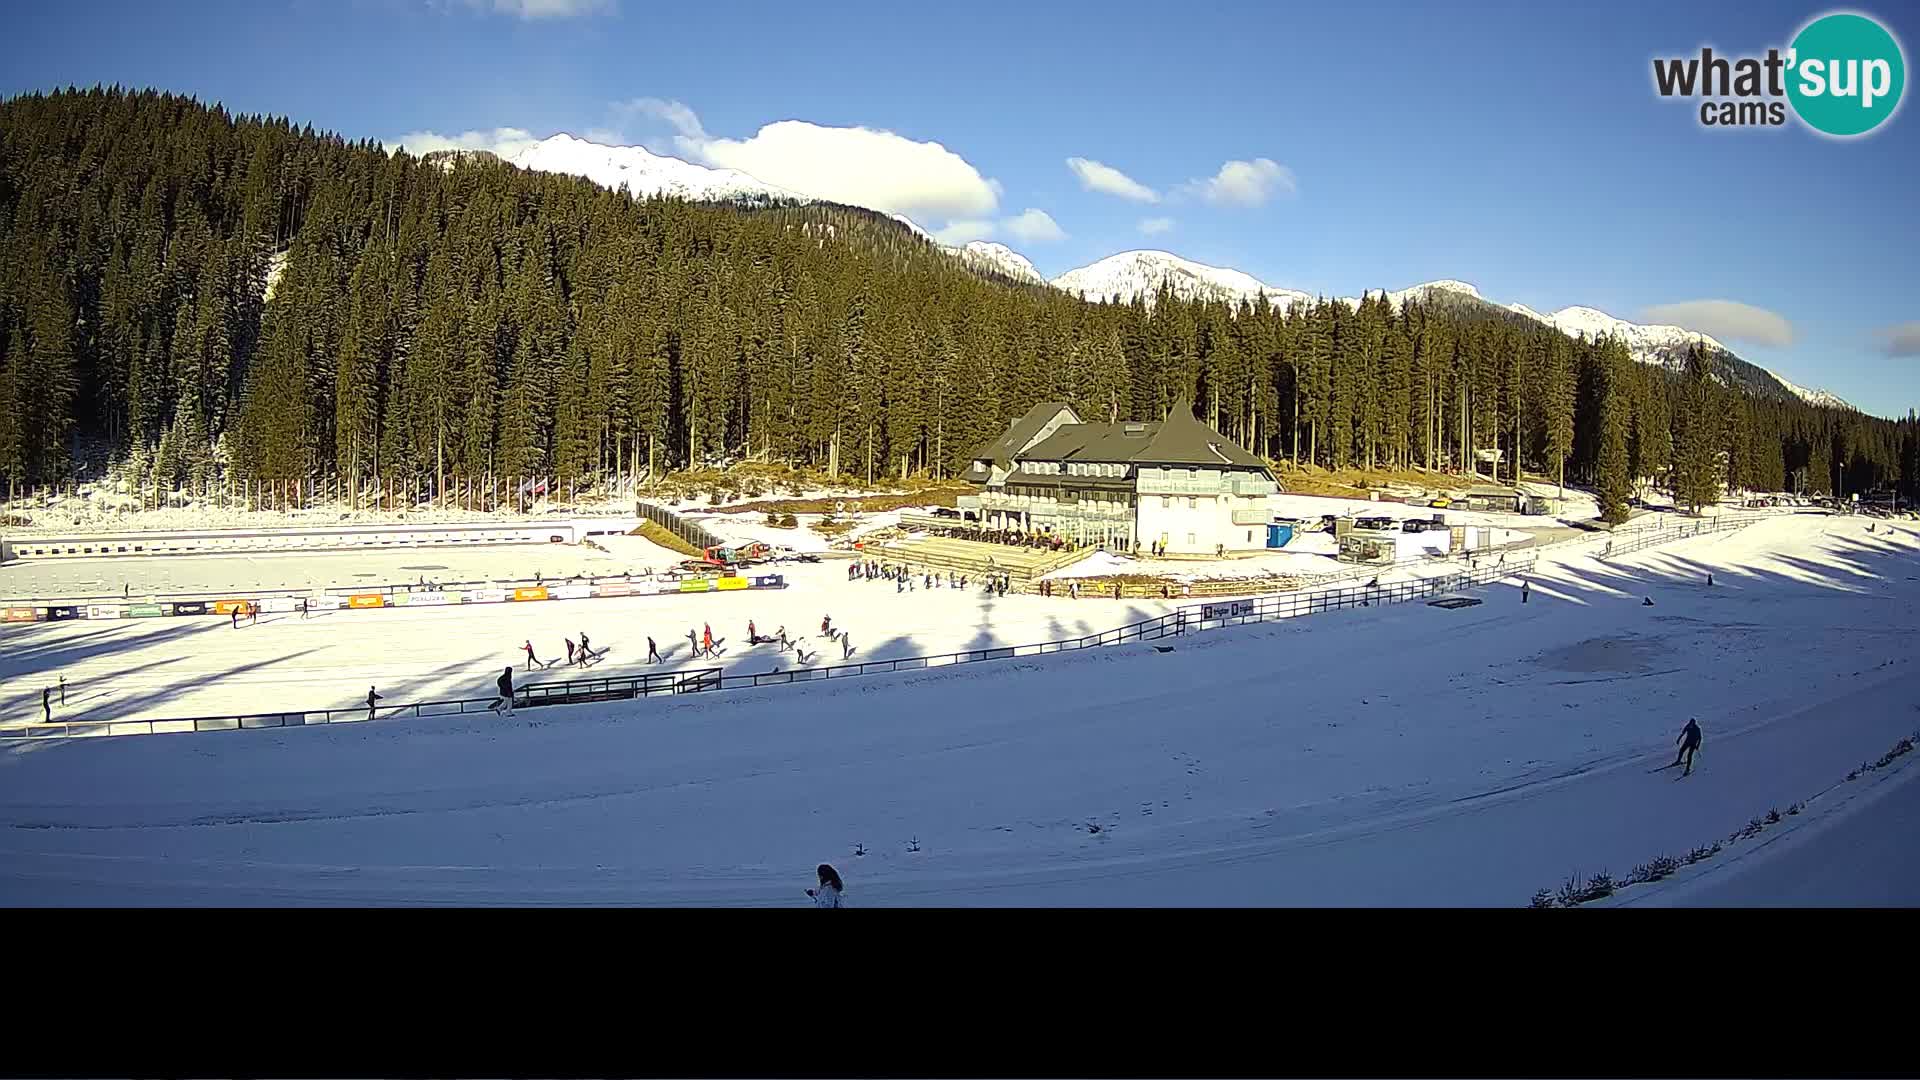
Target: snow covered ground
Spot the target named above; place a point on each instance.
(1399, 755)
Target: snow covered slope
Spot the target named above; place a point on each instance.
(1826, 398)
(1133, 274)
(999, 259)
(644, 173)
(1271, 764)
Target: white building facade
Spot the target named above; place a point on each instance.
(1123, 486)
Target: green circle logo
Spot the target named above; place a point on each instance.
(1846, 73)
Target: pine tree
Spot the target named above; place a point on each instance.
(1613, 481)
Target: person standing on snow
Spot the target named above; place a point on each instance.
(504, 703)
(846, 646)
(1689, 741)
(372, 696)
(752, 637)
(569, 642)
(46, 703)
(693, 640)
(828, 893)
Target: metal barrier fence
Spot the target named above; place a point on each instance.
(697, 535)
(1182, 620)
(531, 695)
(1640, 539)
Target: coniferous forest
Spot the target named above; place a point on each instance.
(454, 317)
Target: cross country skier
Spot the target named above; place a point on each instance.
(782, 635)
(585, 652)
(504, 703)
(693, 640)
(828, 893)
(569, 642)
(825, 622)
(706, 638)
(528, 649)
(653, 652)
(372, 696)
(236, 617)
(752, 638)
(46, 703)
(846, 645)
(1689, 741)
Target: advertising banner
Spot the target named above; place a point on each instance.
(63, 612)
(106, 612)
(147, 611)
(424, 599)
(486, 596)
(726, 583)
(616, 588)
(571, 592)
(189, 607)
(228, 607)
(696, 585)
(367, 600)
(1233, 610)
(530, 594)
(21, 614)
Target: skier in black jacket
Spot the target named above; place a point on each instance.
(504, 703)
(1689, 741)
(372, 696)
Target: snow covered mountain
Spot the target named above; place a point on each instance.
(644, 173)
(1126, 275)
(999, 259)
(1133, 274)
(1664, 345)
(1825, 398)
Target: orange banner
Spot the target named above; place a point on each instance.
(530, 594)
(19, 614)
(228, 607)
(366, 600)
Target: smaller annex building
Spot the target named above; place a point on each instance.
(1123, 486)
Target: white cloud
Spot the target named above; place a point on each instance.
(856, 165)
(1095, 176)
(1901, 340)
(1728, 320)
(505, 142)
(1244, 183)
(1154, 226)
(678, 115)
(959, 232)
(541, 9)
(1034, 227)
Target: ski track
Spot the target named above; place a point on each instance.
(1389, 755)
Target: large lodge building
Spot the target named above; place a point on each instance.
(1124, 485)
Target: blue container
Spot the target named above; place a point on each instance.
(1278, 535)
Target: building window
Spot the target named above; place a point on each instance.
(1192, 502)
(1190, 539)
(1166, 502)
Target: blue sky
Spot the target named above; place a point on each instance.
(1517, 146)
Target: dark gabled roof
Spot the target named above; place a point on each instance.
(1184, 440)
(1180, 439)
(1093, 442)
(1003, 449)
